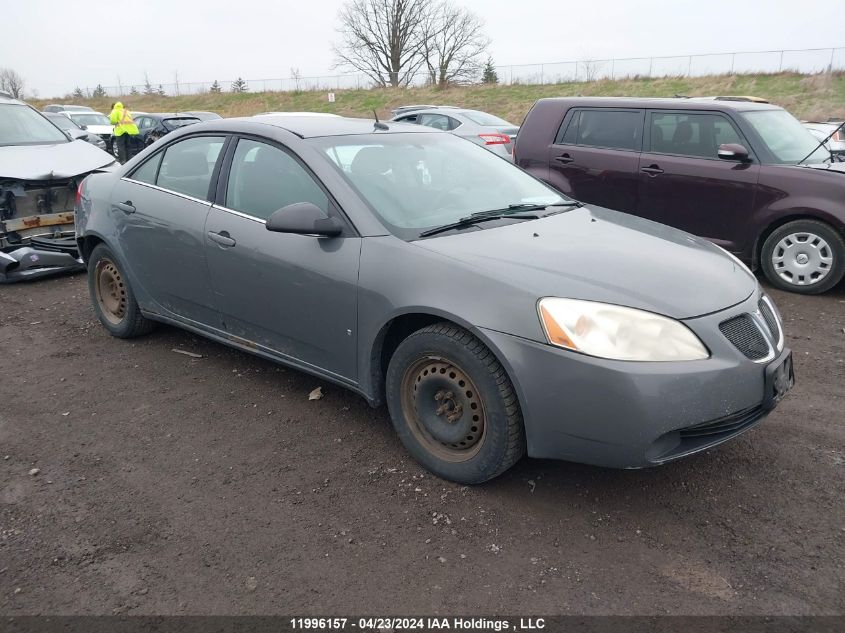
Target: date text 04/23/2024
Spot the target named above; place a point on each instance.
(419, 624)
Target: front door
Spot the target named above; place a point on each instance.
(162, 206)
(295, 295)
(595, 157)
(684, 184)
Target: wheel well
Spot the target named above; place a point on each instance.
(774, 226)
(87, 245)
(388, 339)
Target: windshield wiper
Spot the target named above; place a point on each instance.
(519, 211)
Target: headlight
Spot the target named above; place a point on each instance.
(618, 333)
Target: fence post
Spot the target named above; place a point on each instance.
(689, 67)
(542, 67)
(780, 63)
(650, 65)
(612, 69)
(830, 65)
(733, 59)
(511, 82)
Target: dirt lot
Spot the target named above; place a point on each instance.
(176, 485)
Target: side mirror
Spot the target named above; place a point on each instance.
(304, 218)
(75, 134)
(84, 127)
(733, 151)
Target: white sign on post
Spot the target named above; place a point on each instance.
(331, 97)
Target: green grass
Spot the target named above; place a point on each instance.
(806, 96)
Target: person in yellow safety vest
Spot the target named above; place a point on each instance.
(124, 129)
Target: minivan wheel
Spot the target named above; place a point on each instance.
(804, 256)
(112, 296)
(453, 405)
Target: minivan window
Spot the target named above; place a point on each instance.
(696, 135)
(786, 139)
(187, 165)
(263, 179)
(612, 129)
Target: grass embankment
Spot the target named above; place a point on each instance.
(806, 96)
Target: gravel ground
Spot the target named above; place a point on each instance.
(167, 484)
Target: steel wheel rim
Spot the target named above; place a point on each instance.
(110, 291)
(444, 409)
(802, 259)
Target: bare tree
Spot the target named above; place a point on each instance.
(454, 45)
(296, 76)
(11, 82)
(383, 39)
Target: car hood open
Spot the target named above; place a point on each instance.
(51, 162)
(596, 254)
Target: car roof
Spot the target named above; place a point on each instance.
(166, 115)
(311, 126)
(5, 97)
(676, 103)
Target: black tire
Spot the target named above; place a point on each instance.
(112, 296)
(778, 273)
(461, 419)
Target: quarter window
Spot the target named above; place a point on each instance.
(187, 165)
(438, 121)
(612, 129)
(263, 179)
(148, 170)
(696, 135)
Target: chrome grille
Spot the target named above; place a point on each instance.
(772, 321)
(746, 336)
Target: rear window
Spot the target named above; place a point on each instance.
(612, 129)
(482, 118)
(172, 124)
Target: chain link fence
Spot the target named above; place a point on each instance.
(805, 61)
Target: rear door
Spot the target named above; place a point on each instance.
(684, 184)
(161, 208)
(295, 295)
(595, 156)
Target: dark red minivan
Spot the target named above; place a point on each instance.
(747, 176)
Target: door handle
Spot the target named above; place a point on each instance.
(222, 238)
(651, 170)
(565, 158)
(126, 207)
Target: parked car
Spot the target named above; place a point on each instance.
(54, 107)
(299, 114)
(67, 125)
(153, 126)
(747, 176)
(202, 115)
(96, 123)
(492, 314)
(481, 128)
(823, 130)
(40, 170)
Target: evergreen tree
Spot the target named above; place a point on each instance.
(215, 87)
(489, 76)
(78, 94)
(134, 91)
(239, 85)
(99, 92)
(160, 92)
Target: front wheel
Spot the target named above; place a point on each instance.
(804, 256)
(453, 405)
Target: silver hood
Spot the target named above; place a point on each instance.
(51, 162)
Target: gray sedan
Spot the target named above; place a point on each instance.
(493, 316)
(481, 128)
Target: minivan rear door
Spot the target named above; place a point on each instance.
(595, 156)
(684, 184)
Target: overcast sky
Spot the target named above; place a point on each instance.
(57, 45)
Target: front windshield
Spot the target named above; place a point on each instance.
(90, 118)
(63, 122)
(416, 182)
(788, 141)
(21, 125)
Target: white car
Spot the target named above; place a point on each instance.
(93, 122)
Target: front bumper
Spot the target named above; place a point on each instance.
(635, 414)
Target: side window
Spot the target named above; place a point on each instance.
(614, 129)
(569, 135)
(148, 170)
(187, 165)
(437, 121)
(453, 123)
(409, 119)
(695, 135)
(263, 179)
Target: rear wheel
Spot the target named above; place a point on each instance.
(804, 256)
(112, 296)
(453, 406)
